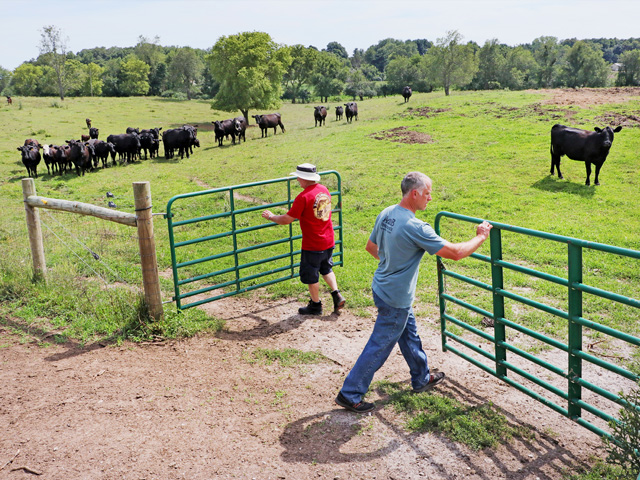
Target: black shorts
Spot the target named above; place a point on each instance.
(312, 263)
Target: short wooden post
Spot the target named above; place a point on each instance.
(35, 231)
(147, 244)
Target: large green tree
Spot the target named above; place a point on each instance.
(152, 53)
(5, 79)
(547, 53)
(629, 73)
(249, 67)
(298, 74)
(386, 50)
(450, 63)
(492, 66)
(185, 71)
(329, 76)
(53, 49)
(134, 75)
(584, 66)
(403, 71)
(337, 49)
(520, 70)
(25, 79)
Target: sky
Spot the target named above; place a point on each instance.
(352, 23)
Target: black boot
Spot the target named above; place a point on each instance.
(312, 308)
(338, 300)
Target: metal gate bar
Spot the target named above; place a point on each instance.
(235, 233)
(573, 315)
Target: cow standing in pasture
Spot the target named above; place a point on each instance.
(222, 129)
(406, 93)
(49, 157)
(9, 100)
(320, 115)
(88, 120)
(93, 133)
(127, 145)
(181, 139)
(61, 157)
(240, 126)
(351, 111)
(30, 159)
(582, 145)
(339, 112)
(267, 121)
(80, 154)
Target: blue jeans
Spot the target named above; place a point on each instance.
(393, 325)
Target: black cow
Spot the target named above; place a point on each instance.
(101, 151)
(222, 130)
(133, 130)
(93, 133)
(147, 143)
(153, 131)
(30, 159)
(406, 93)
(269, 120)
(320, 114)
(80, 154)
(49, 157)
(88, 120)
(181, 139)
(61, 157)
(582, 145)
(351, 111)
(240, 126)
(339, 112)
(127, 145)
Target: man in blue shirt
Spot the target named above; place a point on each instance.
(398, 241)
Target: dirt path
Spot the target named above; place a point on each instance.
(198, 409)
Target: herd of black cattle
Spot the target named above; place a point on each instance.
(87, 153)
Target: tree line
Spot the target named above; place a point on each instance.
(250, 65)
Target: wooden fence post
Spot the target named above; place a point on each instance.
(147, 243)
(35, 231)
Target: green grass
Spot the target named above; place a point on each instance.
(286, 358)
(477, 427)
(489, 159)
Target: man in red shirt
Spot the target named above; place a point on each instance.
(312, 208)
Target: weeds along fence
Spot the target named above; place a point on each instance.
(556, 327)
(142, 220)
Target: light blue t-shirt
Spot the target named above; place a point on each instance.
(402, 240)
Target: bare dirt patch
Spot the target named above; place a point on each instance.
(590, 96)
(625, 120)
(403, 135)
(427, 112)
(200, 409)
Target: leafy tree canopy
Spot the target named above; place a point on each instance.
(249, 67)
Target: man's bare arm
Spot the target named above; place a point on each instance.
(458, 251)
(372, 248)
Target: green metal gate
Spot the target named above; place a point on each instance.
(211, 252)
(499, 364)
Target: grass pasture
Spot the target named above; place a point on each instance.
(487, 153)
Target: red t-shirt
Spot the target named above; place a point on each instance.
(313, 208)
